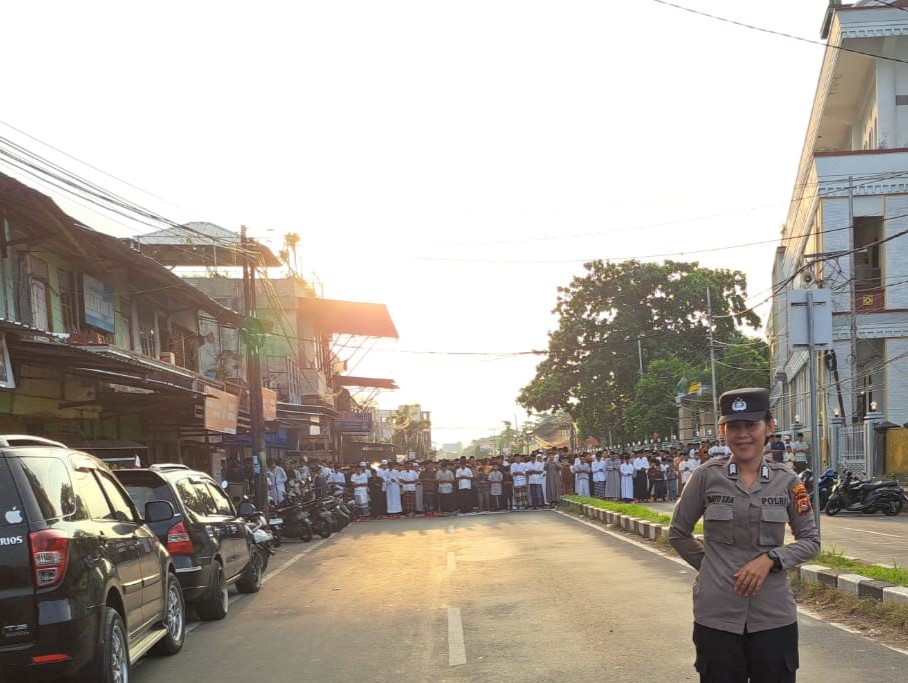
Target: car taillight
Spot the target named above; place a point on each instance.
(178, 542)
(50, 551)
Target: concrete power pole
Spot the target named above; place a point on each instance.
(253, 334)
(712, 364)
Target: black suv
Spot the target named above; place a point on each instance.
(212, 548)
(85, 587)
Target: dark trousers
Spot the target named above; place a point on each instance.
(379, 503)
(430, 500)
(762, 657)
(465, 500)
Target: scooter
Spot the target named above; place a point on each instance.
(854, 495)
(826, 483)
(296, 522)
(322, 520)
(263, 538)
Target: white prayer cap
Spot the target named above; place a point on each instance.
(362, 464)
(384, 462)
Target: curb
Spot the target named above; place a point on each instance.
(852, 584)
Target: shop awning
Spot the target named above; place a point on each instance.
(349, 317)
(367, 382)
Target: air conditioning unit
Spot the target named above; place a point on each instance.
(169, 357)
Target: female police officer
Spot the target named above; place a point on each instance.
(745, 617)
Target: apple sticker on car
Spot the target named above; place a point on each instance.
(13, 516)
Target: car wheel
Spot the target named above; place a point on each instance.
(251, 581)
(174, 619)
(305, 532)
(214, 605)
(112, 663)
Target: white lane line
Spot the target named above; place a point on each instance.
(457, 651)
(268, 576)
(312, 546)
(878, 533)
(452, 562)
(678, 560)
(450, 528)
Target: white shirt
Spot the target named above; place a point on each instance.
(495, 479)
(536, 470)
(581, 469)
(359, 481)
(641, 463)
(464, 472)
(409, 478)
(444, 479)
(598, 467)
(518, 472)
(686, 467)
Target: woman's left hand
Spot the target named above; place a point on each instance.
(749, 578)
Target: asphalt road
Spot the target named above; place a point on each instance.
(535, 597)
(872, 538)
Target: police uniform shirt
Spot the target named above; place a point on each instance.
(738, 526)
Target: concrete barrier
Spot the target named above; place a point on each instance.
(853, 584)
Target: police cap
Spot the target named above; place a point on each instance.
(749, 405)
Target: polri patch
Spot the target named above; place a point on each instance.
(801, 498)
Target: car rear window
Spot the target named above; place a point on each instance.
(10, 505)
(144, 487)
(48, 478)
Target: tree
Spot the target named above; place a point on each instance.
(745, 364)
(592, 366)
(653, 408)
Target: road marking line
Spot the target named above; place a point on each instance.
(457, 651)
(452, 562)
(293, 560)
(450, 528)
(678, 560)
(878, 533)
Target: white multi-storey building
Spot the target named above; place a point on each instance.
(845, 225)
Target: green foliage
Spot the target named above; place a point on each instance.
(745, 364)
(630, 510)
(592, 368)
(653, 408)
(835, 560)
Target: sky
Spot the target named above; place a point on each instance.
(456, 161)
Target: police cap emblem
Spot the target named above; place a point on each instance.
(739, 406)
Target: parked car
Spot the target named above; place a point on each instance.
(86, 588)
(211, 546)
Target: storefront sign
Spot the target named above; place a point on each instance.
(352, 422)
(221, 411)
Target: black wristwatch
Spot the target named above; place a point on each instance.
(776, 561)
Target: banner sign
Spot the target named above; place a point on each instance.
(352, 422)
(269, 404)
(99, 304)
(222, 410)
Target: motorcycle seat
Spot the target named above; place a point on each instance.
(872, 485)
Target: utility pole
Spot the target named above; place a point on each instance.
(254, 338)
(712, 362)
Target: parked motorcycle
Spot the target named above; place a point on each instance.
(825, 484)
(323, 522)
(854, 495)
(295, 519)
(264, 539)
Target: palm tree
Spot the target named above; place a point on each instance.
(291, 239)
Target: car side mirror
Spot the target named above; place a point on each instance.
(158, 511)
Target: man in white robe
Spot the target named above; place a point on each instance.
(360, 481)
(392, 489)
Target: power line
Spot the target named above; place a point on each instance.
(782, 34)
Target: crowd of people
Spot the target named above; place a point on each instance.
(516, 482)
